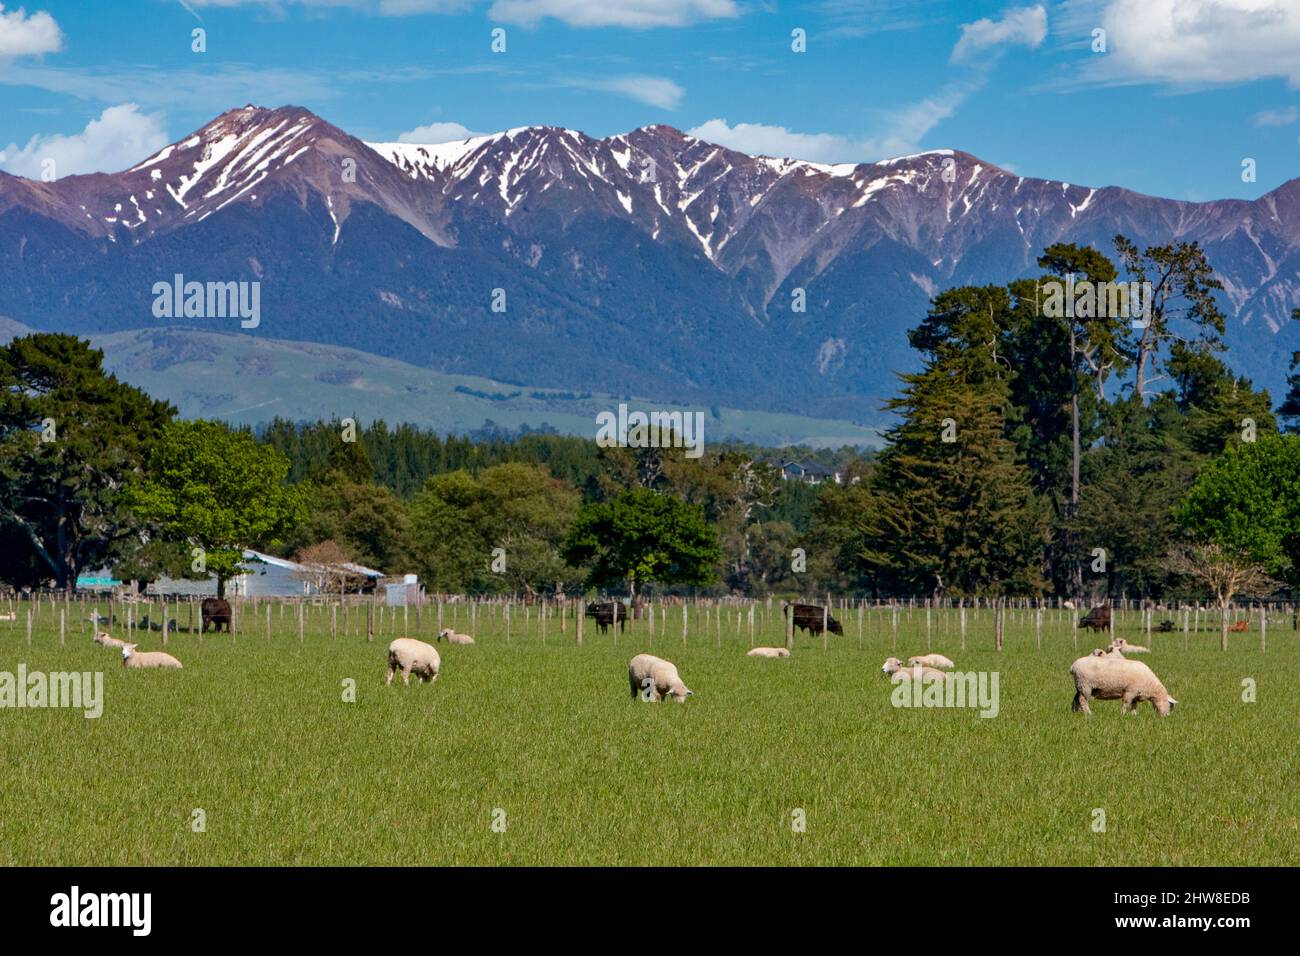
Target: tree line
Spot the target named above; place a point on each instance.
(1032, 453)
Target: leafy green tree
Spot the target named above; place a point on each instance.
(1242, 519)
(833, 543)
(1247, 501)
(767, 564)
(218, 490)
(70, 437)
(459, 521)
(643, 537)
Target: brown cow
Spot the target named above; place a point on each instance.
(215, 611)
(809, 617)
(1098, 619)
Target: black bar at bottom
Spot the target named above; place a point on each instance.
(333, 905)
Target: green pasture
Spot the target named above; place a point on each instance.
(542, 738)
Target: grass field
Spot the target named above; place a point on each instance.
(257, 734)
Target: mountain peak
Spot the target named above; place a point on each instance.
(605, 244)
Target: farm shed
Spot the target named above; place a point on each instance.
(267, 576)
(403, 591)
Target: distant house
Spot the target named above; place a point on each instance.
(811, 472)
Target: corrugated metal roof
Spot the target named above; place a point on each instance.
(271, 559)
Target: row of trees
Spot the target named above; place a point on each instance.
(1032, 453)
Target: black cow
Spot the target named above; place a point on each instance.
(809, 617)
(215, 611)
(607, 613)
(1098, 619)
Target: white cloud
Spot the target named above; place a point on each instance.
(652, 90)
(24, 35)
(613, 13)
(1282, 117)
(1024, 26)
(436, 133)
(901, 132)
(1192, 43)
(760, 139)
(117, 140)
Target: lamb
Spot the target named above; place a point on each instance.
(657, 676)
(1114, 678)
(930, 660)
(410, 656)
(894, 667)
(137, 660)
(454, 638)
(103, 638)
(1125, 647)
(768, 652)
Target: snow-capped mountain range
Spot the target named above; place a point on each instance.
(649, 262)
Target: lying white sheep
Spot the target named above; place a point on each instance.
(930, 660)
(894, 667)
(454, 638)
(103, 638)
(657, 676)
(1111, 652)
(1120, 644)
(1114, 678)
(410, 656)
(768, 652)
(140, 659)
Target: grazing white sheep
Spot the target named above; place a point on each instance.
(1124, 646)
(140, 659)
(894, 667)
(410, 656)
(930, 660)
(454, 638)
(658, 676)
(1114, 678)
(768, 652)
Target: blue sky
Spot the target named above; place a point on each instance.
(1184, 92)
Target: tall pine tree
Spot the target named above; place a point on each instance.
(950, 507)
